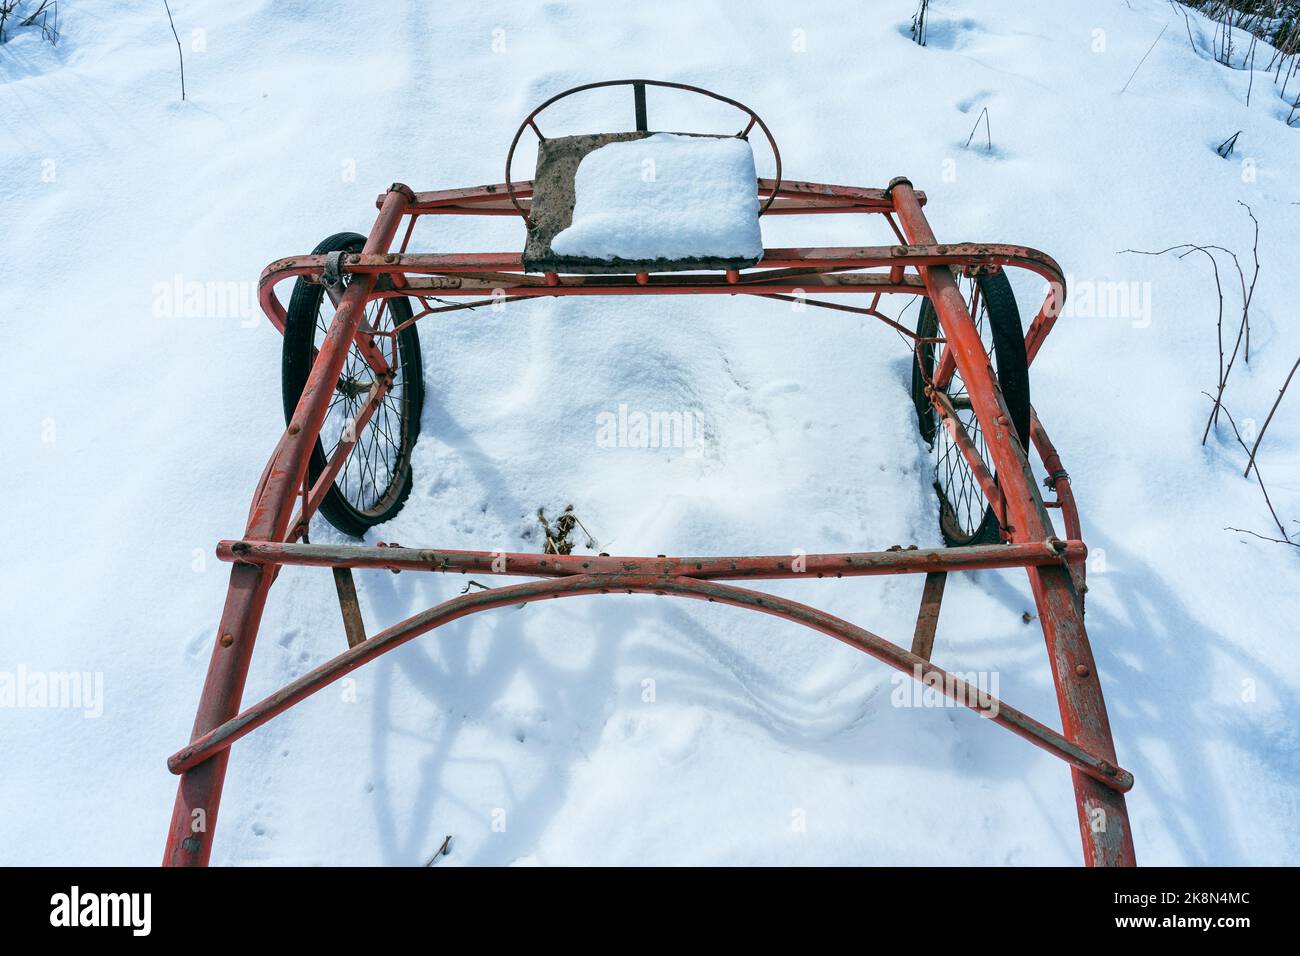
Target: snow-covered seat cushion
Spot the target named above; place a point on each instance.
(644, 201)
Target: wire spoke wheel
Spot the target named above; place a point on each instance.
(376, 478)
(965, 516)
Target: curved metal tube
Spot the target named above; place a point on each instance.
(531, 120)
(951, 686)
(818, 260)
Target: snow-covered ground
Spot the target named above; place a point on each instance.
(142, 420)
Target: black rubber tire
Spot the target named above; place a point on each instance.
(351, 517)
(1004, 338)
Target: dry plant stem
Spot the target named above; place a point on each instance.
(1278, 401)
(1254, 249)
(1251, 84)
(178, 46)
(1277, 25)
(919, 22)
(1187, 21)
(1258, 477)
(1144, 58)
(1247, 294)
(1262, 537)
(984, 115)
(1218, 286)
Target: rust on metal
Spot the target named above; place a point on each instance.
(353, 627)
(916, 264)
(927, 618)
(1060, 609)
(759, 567)
(1099, 769)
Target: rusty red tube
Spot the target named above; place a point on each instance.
(758, 567)
(1103, 818)
(198, 796)
(220, 739)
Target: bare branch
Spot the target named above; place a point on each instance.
(1258, 477)
(1264, 537)
(1144, 58)
(1278, 401)
(984, 115)
(1247, 296)
(178, 46)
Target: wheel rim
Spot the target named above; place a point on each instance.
(371, 477)
(963, 507)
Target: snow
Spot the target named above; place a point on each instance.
(140, 420)
(666, 196)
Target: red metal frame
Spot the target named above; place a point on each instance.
(917, 265)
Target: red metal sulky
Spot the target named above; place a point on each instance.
(918, 265)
